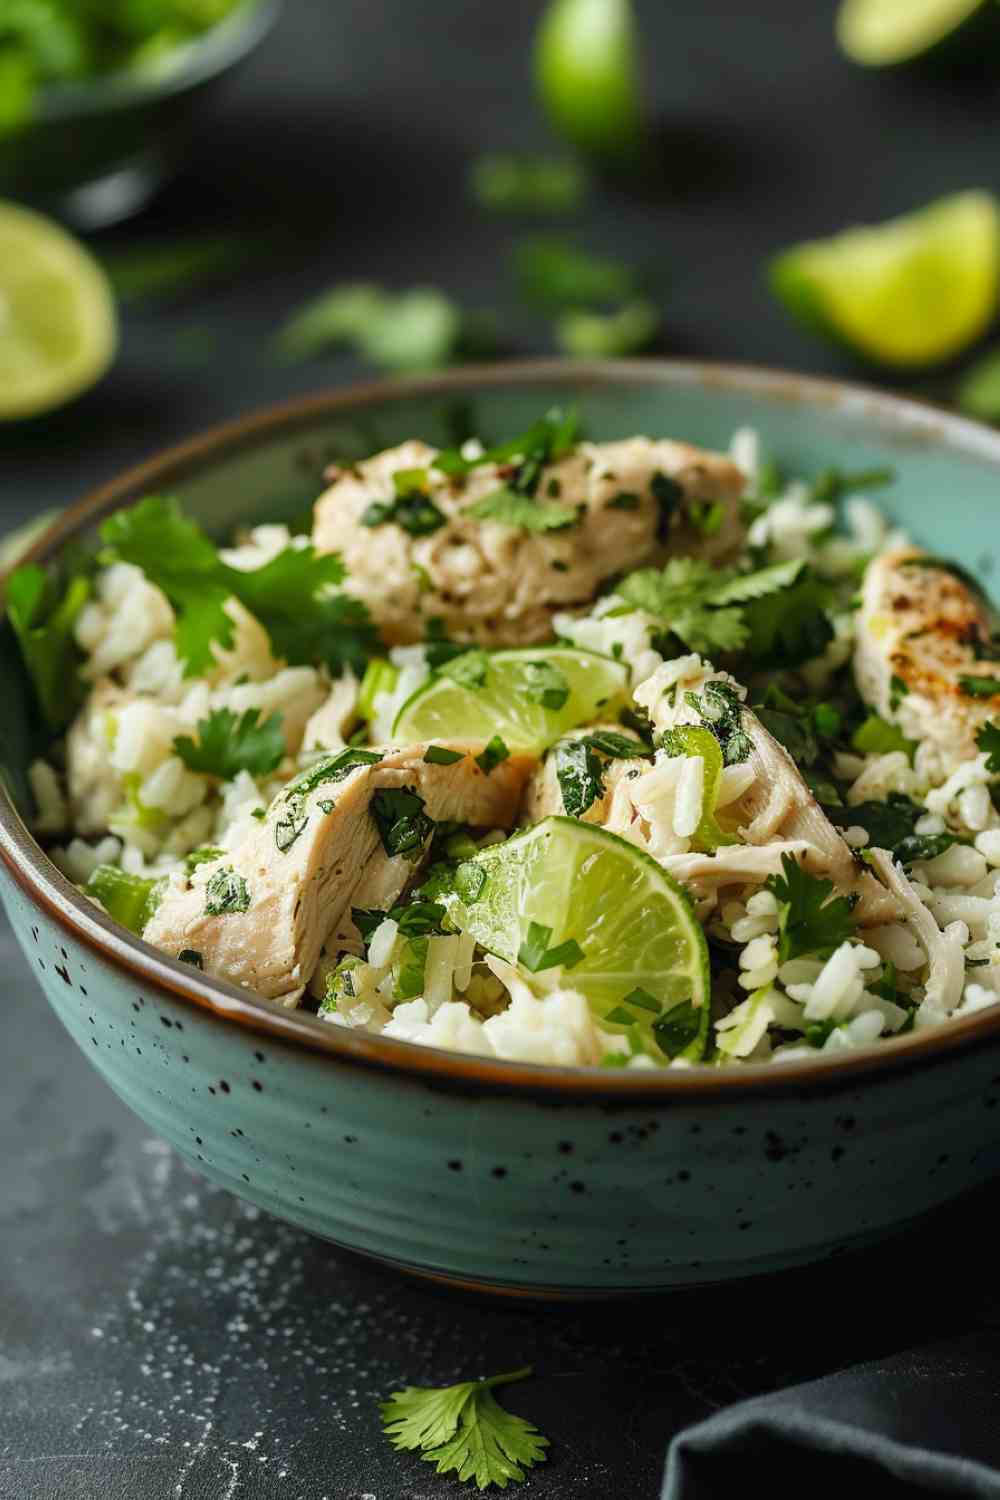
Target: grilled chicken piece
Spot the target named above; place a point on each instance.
(260, 915)
(779, 807)
(500, 585)
(920, 631)
(543, 794)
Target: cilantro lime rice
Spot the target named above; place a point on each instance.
(624, 754)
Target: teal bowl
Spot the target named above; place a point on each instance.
(96, 150)
(514, 1177)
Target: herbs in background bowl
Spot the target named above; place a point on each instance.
(46, 42)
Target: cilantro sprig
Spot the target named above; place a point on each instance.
(811, 919)
(43, 612)
(292, 595)
(228, 743)
(463, 1430)
(988, 741)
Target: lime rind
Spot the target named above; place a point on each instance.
(442, 708)
(635, 924)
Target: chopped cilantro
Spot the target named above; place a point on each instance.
(522, 513)
(898, 690)
(721, 710)
(203, 855)
(332, 768)
(543, 683)
(535, 955)
(225, 893)
(463, 1429)
(229, 743)
(439, 755)
(468, 668)
(811, 919)
(679, 1028)
(403, 825)
(980, 687)
(988, 741)
(712, 609)
(292, 820)
(549, 439)
(624, 500)
(191, 956)
(580, 774)
(412, 508)
(290, 595)
(817, 1032)
(493, 753)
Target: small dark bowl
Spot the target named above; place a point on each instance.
(96, 150)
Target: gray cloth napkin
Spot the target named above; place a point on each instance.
(924, 1422)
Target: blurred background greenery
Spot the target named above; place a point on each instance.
(268, 197)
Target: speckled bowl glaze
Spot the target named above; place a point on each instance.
(502, 1175)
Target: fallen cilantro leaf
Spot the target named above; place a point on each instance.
(528, 184)
(811, 919)
(43, 615)
(463, 1429)
(403, 825)
(557, 274)
(980, 687)
(988, 741)
(493, 754)
(593, 335)
(229, 743)
(523, 513)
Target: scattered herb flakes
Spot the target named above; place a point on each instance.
(226, 893)
(494, 752)
(720, 709)
(292, 821)
(522, 513)
(535, 955)
(543, 683)
(979, 687)
(988, 741)
(811, 919)
(191, 956)
(228, 743)
(467, 669)
(403, 825)
(462, 1429)
(440, 755)
(624, 500)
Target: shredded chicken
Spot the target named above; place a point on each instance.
(945, 958)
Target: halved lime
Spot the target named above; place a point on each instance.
(882, 33)
(587, 73)
(519, 698)
(909, 292)
(644, 969)
(58, 329)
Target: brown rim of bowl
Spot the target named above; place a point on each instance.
(56, 897)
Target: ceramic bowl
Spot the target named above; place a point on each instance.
(96, 150)
(512, 1176)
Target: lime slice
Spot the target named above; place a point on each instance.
(57, 317)
(587, 73)
(521, 701)
(909, 292)
(689, 740)
(882, 33)
(644, 969)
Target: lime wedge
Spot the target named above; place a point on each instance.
(909, 292)
(882, 33)
(57, 317)
(587, 74)
(644, 969)
(528, 697)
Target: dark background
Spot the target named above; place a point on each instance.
(159, 1340)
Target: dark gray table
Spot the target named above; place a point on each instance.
(159, 1340)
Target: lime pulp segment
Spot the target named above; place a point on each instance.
(507, 705)
(634, 923)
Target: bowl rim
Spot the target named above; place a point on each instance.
(47, 888)
(193, 62)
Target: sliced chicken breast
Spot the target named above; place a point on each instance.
(922, 634)
(355, 823)
(499, 584)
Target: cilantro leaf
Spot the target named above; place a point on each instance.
(811, 919)
(523, 513)
(548, 439)
(463, 1429)
(412, 507)
(679, 1028)
(403, 825)
(43, 614)
(980, 687)
(988, 741)
(580, 774)
(493, 754)
(291, 595)
(789, 625)
(887, 823)
(229, 743)
(680, 595)
(535, 955)
(720, 709)
(226, 892)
